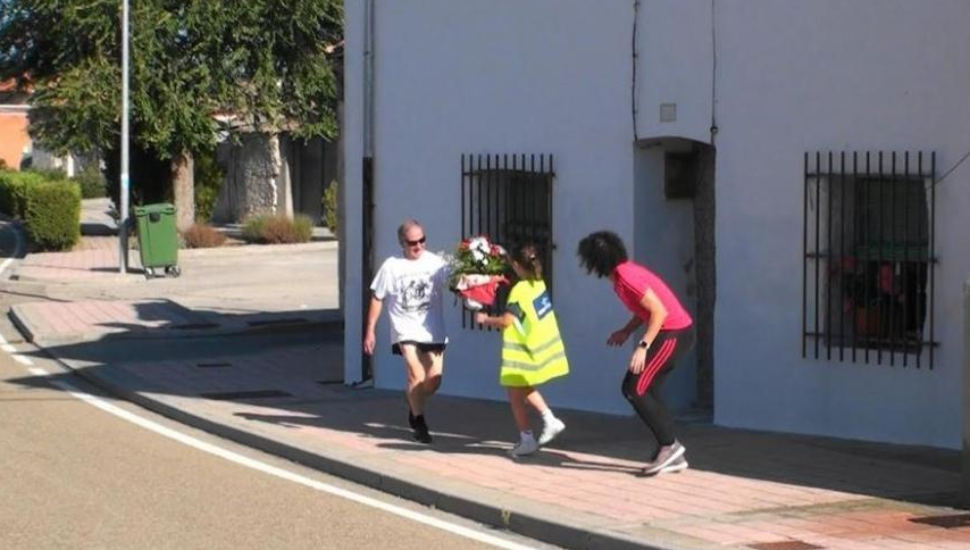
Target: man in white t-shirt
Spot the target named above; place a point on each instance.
(412, 285)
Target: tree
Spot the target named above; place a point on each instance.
(259, 64)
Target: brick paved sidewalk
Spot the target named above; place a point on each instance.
(81, 296)
(743, 489)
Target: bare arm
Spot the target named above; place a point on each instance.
(658, 313)
(499, 322)
(620, 336)
(373, 313)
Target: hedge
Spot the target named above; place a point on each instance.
(277, 229)
(13, 191)
(52, 214)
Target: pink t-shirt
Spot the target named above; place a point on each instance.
(631, 283)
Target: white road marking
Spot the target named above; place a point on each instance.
(8, 348)
(22, 359)
(279, 472)
(17, 249)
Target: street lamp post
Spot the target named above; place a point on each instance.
(123, 222)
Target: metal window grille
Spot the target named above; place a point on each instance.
(868, 239)
(508, 197)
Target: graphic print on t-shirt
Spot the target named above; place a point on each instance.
(416, 293)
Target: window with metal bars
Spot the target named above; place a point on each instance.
(508, 197)
(869, 261)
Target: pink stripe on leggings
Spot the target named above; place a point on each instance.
(666, 350)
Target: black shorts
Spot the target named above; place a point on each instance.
(423, 347)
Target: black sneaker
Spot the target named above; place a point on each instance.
(412, 420)
(421, 433)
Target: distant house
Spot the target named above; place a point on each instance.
(14, 141)
(792, 168)
(16, 147)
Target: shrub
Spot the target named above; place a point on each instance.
(330, 207)
(208, 181)
(201, 235)
(3, 165)
(92, 182)
(13, 191)
(52, 214)
(277, 229)
(52, 174)
(252, 230)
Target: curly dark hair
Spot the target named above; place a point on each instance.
(601, 252)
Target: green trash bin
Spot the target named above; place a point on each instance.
(158, 242)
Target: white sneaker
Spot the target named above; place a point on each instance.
(665, 458)
(525, 447)
(550, 430)
(678, 465)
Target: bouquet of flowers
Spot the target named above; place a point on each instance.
(478, 267)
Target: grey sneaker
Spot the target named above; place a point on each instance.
(525, 447)
(665, 458)
(550, 430)
(678, 465)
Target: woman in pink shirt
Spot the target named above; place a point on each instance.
(668, 336)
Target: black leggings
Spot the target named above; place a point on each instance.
(643, 390)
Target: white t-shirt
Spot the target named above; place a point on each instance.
(412, 293)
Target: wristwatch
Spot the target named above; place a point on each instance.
(643, 345)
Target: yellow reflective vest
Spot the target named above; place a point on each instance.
(532, 350)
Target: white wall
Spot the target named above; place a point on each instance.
(353, 143)
(547, 76)
(555, 77)
(832, 75)
(675, 65)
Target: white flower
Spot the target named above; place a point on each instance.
(479, 248)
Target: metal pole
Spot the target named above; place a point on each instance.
(123, 222)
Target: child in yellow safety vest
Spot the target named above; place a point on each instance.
(532, 350)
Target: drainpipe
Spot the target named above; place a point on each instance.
(369, 79)
(965, 401)
(367, 187)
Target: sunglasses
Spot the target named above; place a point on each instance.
(417, 242)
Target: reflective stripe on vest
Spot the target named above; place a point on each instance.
(538, 344)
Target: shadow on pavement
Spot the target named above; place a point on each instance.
(297, 375)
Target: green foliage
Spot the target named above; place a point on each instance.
(50, 207)
(252, 229)
(53, 214)
(277, 229)
(91, 180)
(209, 177)
(13, 191)
(54, 174)
(330, 207)
(263, 61)
(150, 177)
